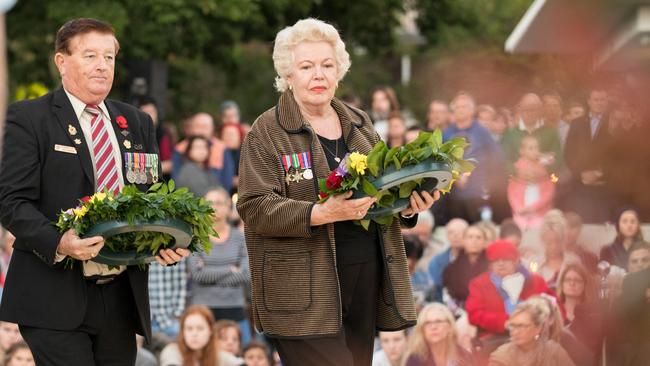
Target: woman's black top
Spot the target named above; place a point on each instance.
(353, 243)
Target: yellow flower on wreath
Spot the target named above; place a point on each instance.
(80, 212)
(99, 197)
(358, 162)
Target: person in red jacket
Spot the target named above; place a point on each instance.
(493, 295)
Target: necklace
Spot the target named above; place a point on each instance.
(336, 153)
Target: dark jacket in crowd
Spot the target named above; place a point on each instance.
(457, 276)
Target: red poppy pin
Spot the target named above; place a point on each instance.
(121, 122)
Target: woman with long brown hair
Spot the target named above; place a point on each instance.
(195, 345)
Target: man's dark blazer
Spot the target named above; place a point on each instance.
(36, 183)
(582, 153)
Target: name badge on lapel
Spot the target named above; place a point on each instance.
(65, 149)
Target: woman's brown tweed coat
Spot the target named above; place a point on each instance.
(293, 265)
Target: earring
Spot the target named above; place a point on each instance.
(290, 87)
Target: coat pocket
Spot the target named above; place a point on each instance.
(287, 280)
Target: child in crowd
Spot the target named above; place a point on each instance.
(393, 347)
(256, 354)
(19, 354)
(530, 191)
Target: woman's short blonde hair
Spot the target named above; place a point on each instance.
(306, 30)
(554, 221)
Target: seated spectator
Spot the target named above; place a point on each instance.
(393, 348)
(256, 354)
(628, 232)
(231, 136)
(195, 173)
(455, 229)
(575, 287)
(574, 228)
(221, 277)
(639, 258)
(9, 335)
(556, 331)
(530, 190)
(219, 162)
(576, 292)
(19, 354)
(470, 263)
(228, 336)
(420, 280)
(494, 294)
(555, 256)
(434, 341)
(396, 130)
(510, 231)
(529, 344)
(196, 342)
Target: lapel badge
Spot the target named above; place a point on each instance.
(77, 141)
(138, 146)
(72, 130)
(124, 133)
(127, 144)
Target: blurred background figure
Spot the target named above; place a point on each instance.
(256, 354)
(396, 130)
(434, 340)
(628, 232)
(19, 354)
(383, 102)
(163, 135)
(455, 229)
(221, 278)
(195, 174)
(530, 190)
(529, 343)
(438, 115)
(393, 348)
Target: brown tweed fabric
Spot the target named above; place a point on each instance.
(293, 266)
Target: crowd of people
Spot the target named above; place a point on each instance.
(484, 296)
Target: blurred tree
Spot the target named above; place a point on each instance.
(203, 41)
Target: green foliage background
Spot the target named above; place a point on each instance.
(221, 49)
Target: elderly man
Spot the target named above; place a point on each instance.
(531, 122)
(57, 149)
(455, 229)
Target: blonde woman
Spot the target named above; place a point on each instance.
(434, 340)
(554, 234)
(529, 343)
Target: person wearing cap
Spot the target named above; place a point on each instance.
(493, 295)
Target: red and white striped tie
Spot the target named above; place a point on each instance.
(105, 166)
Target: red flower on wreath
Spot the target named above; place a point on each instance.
(85, 199)
(322, 195)
(121, 122)
(334, 181)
